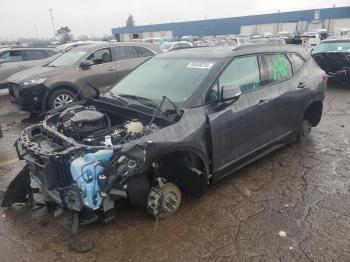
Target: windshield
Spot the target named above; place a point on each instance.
(67, 59)
(176, 79)
(332, 47)
(165, 46)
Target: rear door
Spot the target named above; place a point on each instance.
(289, 93)
(128, 58)
(239, 128)
(102, 73)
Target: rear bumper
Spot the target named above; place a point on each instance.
(29, 99)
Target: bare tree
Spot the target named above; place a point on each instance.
(64, 32)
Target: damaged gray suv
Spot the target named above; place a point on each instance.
(178, 122)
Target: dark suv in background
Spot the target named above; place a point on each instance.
(16, 59)
(62, 81)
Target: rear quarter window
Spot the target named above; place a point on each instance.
(144, 52)
(277, 68)
(297, 62)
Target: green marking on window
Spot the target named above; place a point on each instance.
(280, 67)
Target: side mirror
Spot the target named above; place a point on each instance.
(86, 64)
(230, 92)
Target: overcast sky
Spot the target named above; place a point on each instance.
(96, 18)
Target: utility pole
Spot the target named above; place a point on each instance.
(36, 31)
(53, 24)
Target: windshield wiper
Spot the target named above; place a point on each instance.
(142, 100)
(118, 98)
(176, 108)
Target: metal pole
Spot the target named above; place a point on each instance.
(36, 31)
(53, 24)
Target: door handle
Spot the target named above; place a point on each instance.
(301, 85)
(263, 101)
(110, 69)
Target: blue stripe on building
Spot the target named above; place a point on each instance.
(232, 25)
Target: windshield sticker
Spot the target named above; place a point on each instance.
(280, 67)
(199, 65)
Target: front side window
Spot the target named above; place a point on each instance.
(277, 67)
(242, 72)
(126, 52)
(297, 62)
(12, 56)
(101, 56)
(176, 79)
(68, 59)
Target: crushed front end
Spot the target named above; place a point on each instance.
(86, 162)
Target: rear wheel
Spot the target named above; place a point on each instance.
(60, 97)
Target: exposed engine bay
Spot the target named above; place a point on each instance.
(91, 127)
(76, 156)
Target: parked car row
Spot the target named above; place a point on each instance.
(13, 60)
(61, 81)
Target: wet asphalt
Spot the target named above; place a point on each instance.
(293, 205)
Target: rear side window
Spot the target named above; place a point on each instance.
(277, 68)
(12, 56)
(297, 62)
(126, 52)
(242, 72)
(48, 53)
(144, 52)
(34, 55)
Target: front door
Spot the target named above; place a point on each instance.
(102, 73)
(239, 128)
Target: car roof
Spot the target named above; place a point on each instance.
(227, 51)
(336, 40)
(91, 47)
(28, 48)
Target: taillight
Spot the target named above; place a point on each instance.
(325, 77)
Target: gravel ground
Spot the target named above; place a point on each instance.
(293, 205)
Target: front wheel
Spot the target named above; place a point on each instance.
(304, 130)
(60, 97)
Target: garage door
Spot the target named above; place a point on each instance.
(288, 27)
(265, 28)
(248, 29)
(313, 27)
(341, 24)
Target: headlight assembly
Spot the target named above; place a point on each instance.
(33, 82)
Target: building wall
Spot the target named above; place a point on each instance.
(233, 25)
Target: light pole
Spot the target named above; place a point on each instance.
(53, 24)
(36, 31)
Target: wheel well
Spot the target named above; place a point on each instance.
(313, 113)
(186, 169)
(56, 88)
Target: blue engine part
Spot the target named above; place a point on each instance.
(85, 171)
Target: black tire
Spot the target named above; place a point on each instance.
(56, 94)
(18, 190)
(304, 130)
